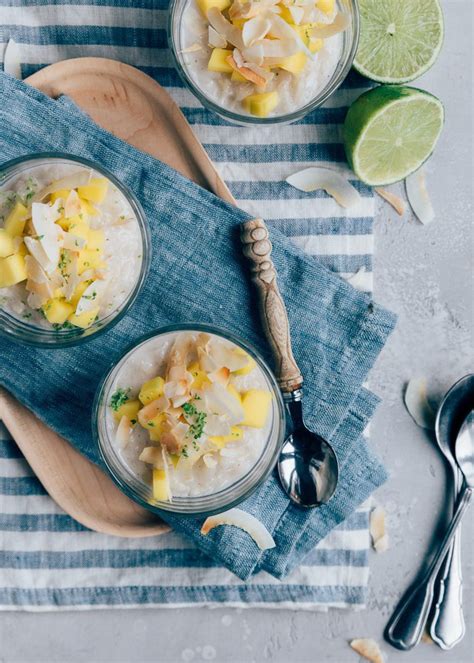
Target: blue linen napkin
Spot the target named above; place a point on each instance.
(337, 331)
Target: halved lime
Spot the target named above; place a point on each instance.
(390, 131)
(399, 39)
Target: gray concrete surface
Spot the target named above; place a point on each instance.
(425, 274)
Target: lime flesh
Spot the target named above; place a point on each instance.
(390, 131)
(399, 39)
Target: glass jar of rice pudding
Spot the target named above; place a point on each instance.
(263, 61)
(74, 249)
(189, 420)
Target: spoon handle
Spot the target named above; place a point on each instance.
(257, 247)
(407, 623)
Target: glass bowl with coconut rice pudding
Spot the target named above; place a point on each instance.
(189, 420)
(74, 249)
(263, 61)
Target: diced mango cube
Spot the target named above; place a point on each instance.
(60, 193)
(251, 363)
(87, 208)
(220, 441)
(128, 409)
(95, 240)
(256, 405)
(304, 31)
(151, 390)
(293, 63)
(218, 61)
(95, 191)
(156, 426)
(326, 6)
(285, 14)
(238, 78)
(15, 221)
(87, 259)
(206, 5)
(200, 376)
(161, 488)
(57, 311)
(78, 228)
(84, 320)
(261, 104)
(12, 270)
(7, 246)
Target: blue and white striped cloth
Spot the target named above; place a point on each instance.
(49, 561)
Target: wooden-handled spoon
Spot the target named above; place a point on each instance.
(307, 464)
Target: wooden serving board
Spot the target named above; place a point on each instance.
(132, 106)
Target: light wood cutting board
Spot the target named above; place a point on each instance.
(132, 106)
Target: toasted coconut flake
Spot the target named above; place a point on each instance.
(91, 296)
(220, 376)
(378, 530)
(392, 199)
(12, 59)
(34, 270)
(122, 436)
(337, 186)
(70, 182)
(418, 197)
(282, 30)
(325, 31)
(416, 402)
(150, 411)
(242, 520)
(246, 72)
(192, 49)
(223, 355)
(220, 402)
(39, 293)
(368, 648)
(152, 456)
(209, 460)
(255, 29)
(214, 39)
(73, 242)
(72, 205)
(217, 425)
(230, 32)
(37, 251)
(297, 14)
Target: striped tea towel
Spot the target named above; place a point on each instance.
(47, 560)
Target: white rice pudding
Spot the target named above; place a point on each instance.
(121, 250)
(295, 90)
(200, 464)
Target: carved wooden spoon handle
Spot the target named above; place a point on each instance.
(257, 247)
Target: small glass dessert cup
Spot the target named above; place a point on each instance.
(74, 249)
(180, 431)
(261, 62)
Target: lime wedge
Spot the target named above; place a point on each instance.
(399, 39)
(390, 131)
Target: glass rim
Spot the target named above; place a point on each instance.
(21, 331)
(197, 505)
(287, 118)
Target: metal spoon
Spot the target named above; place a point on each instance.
(447, 625)
(407, 623)
(307, 465)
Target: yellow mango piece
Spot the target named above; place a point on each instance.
(256, 405)
(78, 292)
(174, 459)
(87, 259)
(233, 392)
(22, 250)
(326, 6)
(128, 409)
(200, 376)
(84, 320)
(304, 32)
(57, 311)
(218, 62)
(239, 22)
(79, 228)
(95, 191)
(61, 193)
(206, 5)
(156, 426)
(285, 14)
(161, 489)
(220, 441)
(87, 208)
(251, 363)
(151, 390)
(95, 240)
(7, 248)
(238, 78)
(294, 63)
(261, 104)
(15, 221)
(12, 270)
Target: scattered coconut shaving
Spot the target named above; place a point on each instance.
(418, 197)
(242, 520)
(122, 435)
(378, 530)
(335, 184)
(12, 59)
(392, 199)
(368, 648)
(215, 39)
(416, 402)
(325, 31)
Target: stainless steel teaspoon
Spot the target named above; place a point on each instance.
(307, 465)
